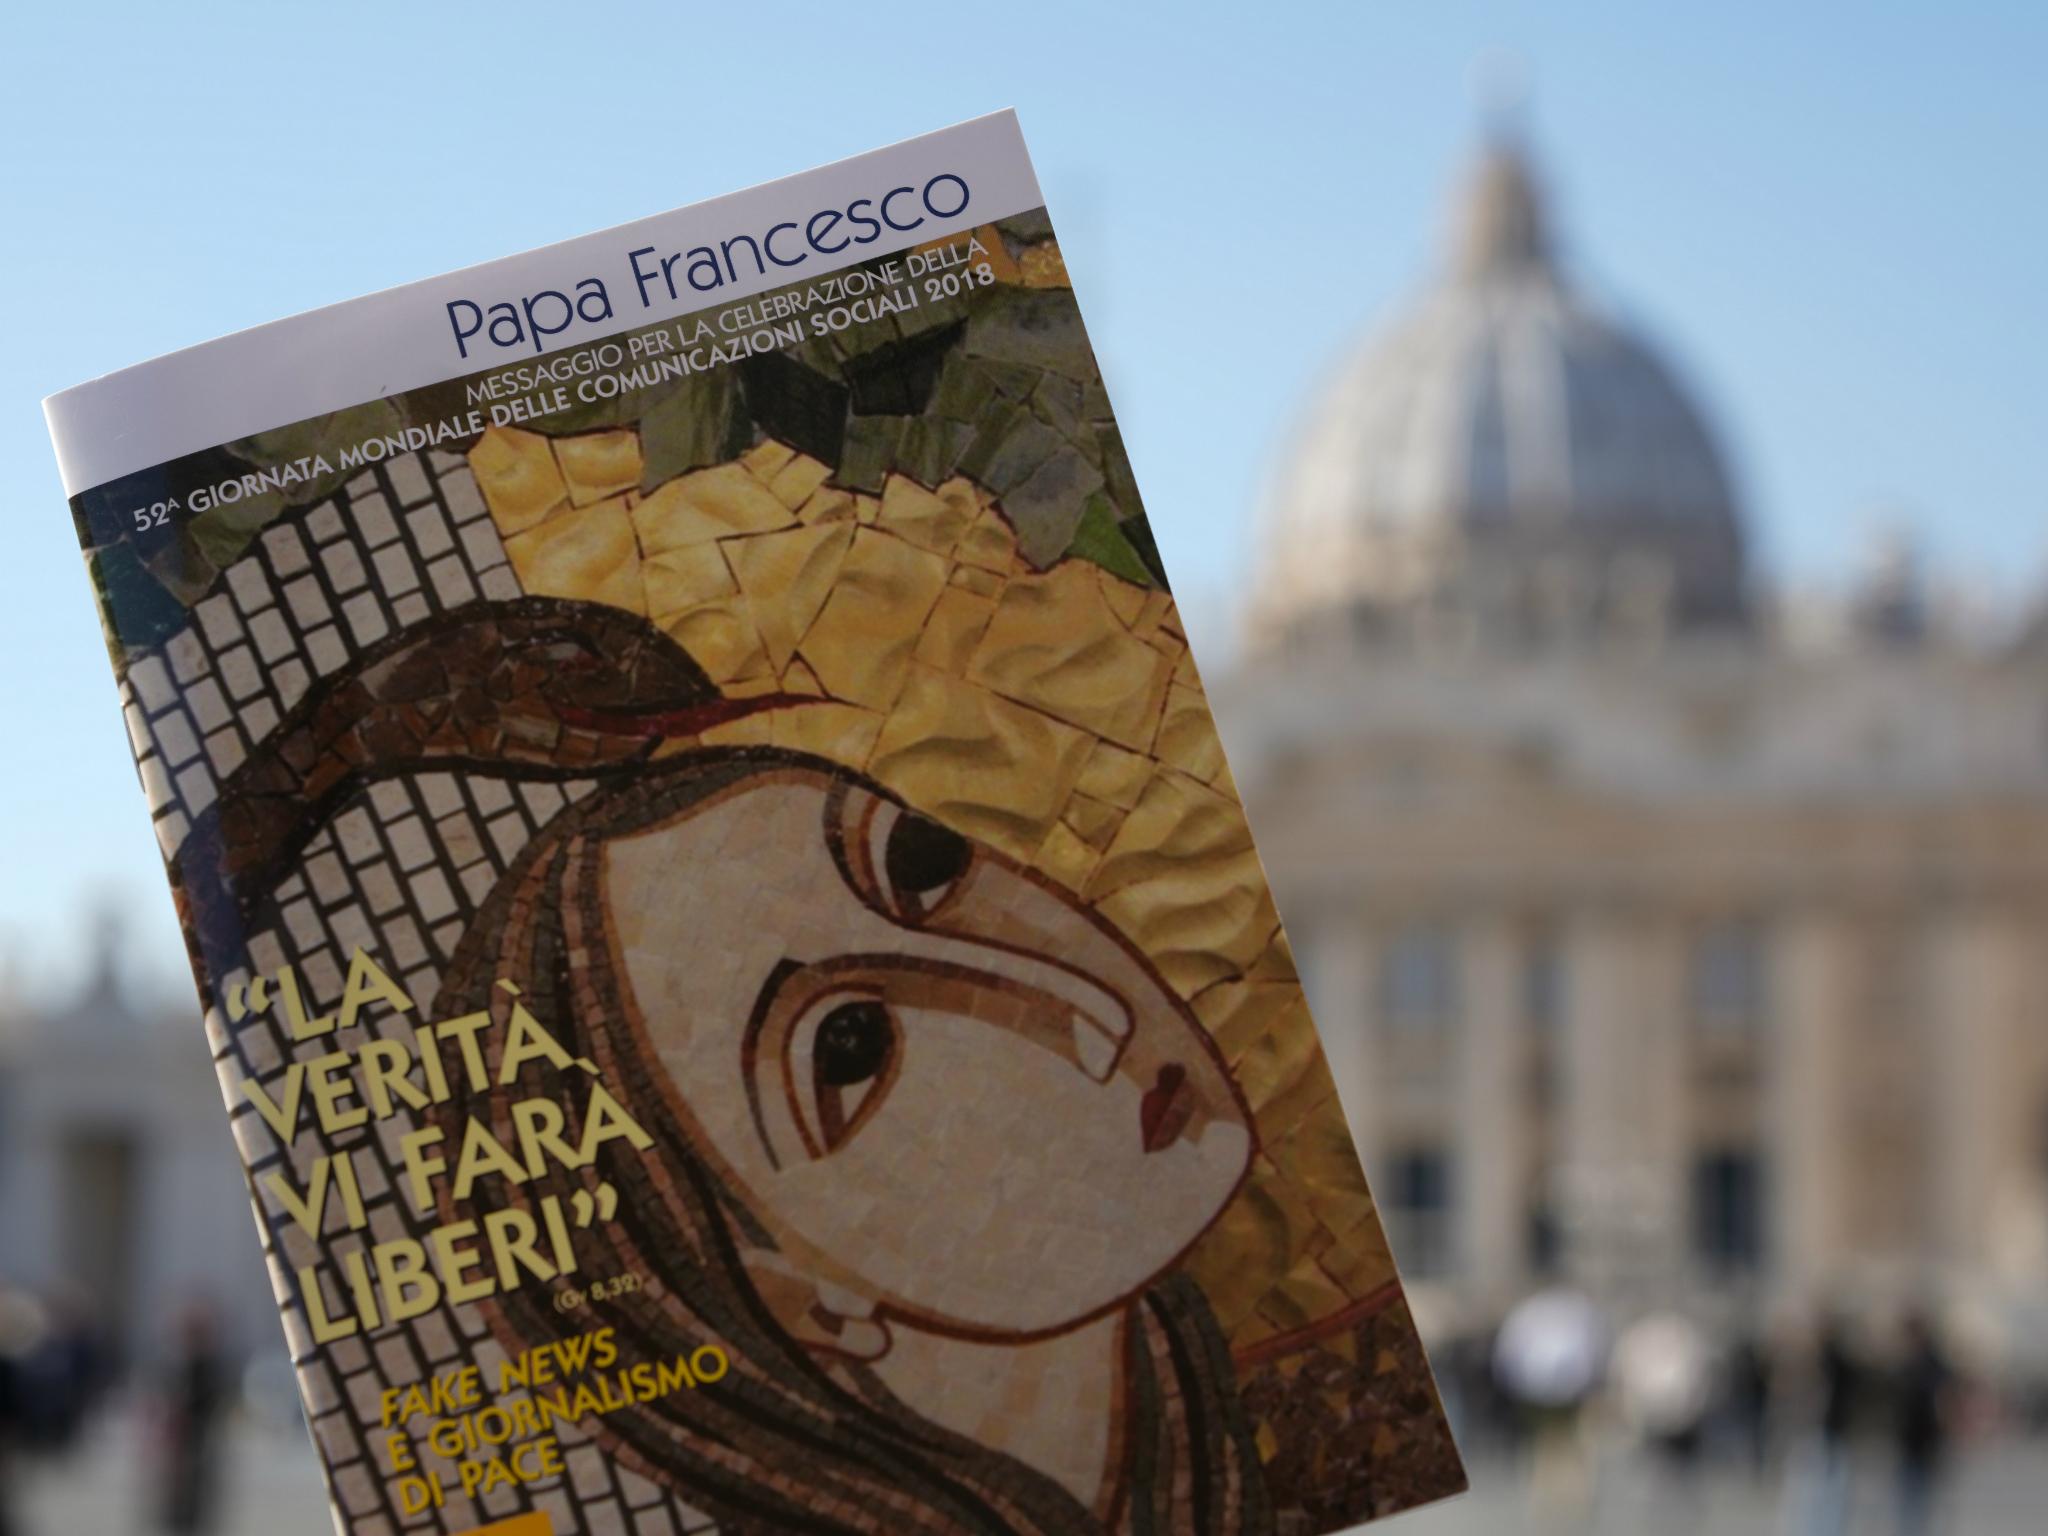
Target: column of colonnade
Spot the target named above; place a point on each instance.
(1815, 1001)
(1980, 1098)
(1491, 1133)
(1623, 1168)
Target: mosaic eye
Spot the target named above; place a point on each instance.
(854, 1044)
(853, 1055)
(904, 865)
(559, 650)
(923, 859)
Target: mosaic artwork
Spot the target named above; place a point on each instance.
(790, 789)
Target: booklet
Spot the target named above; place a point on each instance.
(735, 964)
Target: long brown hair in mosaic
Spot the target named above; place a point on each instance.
(801, 1436)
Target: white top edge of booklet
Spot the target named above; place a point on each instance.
(540, 301)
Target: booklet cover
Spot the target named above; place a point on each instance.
(735, 965)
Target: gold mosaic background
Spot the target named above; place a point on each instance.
(1056, 715)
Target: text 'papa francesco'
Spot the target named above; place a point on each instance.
(533, 319)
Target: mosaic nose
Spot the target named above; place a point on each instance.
(1098, 1023)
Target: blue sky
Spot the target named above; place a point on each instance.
(1829, 215)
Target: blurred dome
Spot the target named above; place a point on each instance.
(1505, 462)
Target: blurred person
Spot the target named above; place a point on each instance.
(1752, 1380)
(1481, 1414)
(1924, 1411)
(197, 1392)
(1664, 1373)
(20, 1325)
(1841, 1385)
(9, 1418)
(59, 1379)
(1499, 1413)
(1550, 1358)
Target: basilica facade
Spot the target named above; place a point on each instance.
(1669, 939)
(121, 1199)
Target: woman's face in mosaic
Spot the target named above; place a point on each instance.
(937, 1080)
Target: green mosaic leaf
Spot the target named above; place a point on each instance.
(1116, 471)
(929, 450)
(1026, 228)
(697, 423)
(1099, 539)
(327, 435)
(134, 606)
(220, 534)
(1137, 531)
(1039, 328)
(869, 452)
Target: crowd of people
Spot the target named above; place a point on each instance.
(57, 1371)
(1823, 1418)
